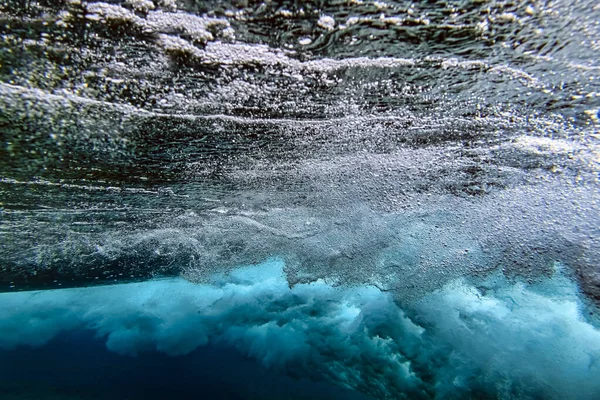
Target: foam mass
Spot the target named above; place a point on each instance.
(493, 339)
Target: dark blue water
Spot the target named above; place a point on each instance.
(77, 365)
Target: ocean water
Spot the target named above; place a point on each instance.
(246, 334)
(299, 200)
(78, 366)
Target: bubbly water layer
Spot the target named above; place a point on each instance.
(487, 338)
(169, 138)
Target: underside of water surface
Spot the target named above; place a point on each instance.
(317, 199)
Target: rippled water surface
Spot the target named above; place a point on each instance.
(397, 198)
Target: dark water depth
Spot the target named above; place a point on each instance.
(77, 365)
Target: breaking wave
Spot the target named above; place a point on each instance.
(486, 338)
(421, 177)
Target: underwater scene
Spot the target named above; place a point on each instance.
(282, 199)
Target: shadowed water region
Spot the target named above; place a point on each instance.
(77, 366)
(389, 199)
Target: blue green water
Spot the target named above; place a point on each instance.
(247, 334)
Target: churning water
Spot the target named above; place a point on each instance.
(299, 199)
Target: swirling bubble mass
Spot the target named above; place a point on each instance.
(325, 199)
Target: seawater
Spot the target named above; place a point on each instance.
(77, 365)
(246, 333)
(285, 199)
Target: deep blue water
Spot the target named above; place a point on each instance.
(77, 365)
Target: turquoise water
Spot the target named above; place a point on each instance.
(486, 338)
